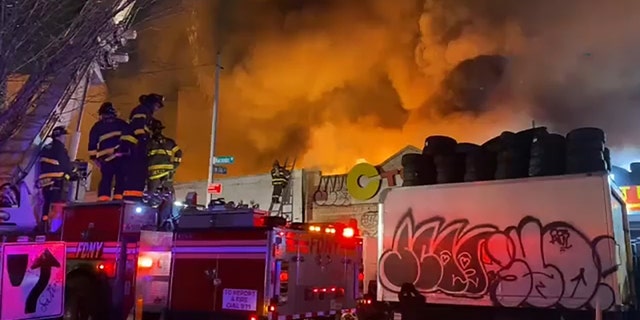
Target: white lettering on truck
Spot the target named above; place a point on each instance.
(239, 299)
(89, 250)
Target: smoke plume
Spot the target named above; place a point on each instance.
(333, 81)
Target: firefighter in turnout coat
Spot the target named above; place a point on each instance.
(164, 158)
(104, 145)
(55, 170)
(279, 180)
(134, 144)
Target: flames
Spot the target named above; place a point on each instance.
(330, 82)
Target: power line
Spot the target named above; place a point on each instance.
(176, 68)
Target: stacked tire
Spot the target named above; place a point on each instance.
(449, 164)
(480, 162)
(515, 154)
(548, 154)
(417, 170)
(586, 151)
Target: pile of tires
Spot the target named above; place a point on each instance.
(548, 154)
(448, 162)
(586, 151)
(529, 153)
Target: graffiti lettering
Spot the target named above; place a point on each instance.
(332, 191)
(561, 237)
(531, 264)
(369, 223)
(47, 297)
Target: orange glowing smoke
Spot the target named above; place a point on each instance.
(331, 82)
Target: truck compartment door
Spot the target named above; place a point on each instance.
(153, 272)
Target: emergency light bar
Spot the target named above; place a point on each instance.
(336, 228)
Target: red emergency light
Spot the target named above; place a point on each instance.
(347, 231)
(321, 292)
(107, 268)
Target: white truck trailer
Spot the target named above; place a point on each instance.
(509, 249)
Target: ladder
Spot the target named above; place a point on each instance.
(284, 207)
(25, 130)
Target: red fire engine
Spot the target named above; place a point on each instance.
(102, 242)
(226, 263)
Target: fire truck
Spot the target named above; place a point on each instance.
(220, 262)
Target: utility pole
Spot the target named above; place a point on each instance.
(81, 101)
(214, 121)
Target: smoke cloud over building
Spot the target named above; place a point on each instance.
(333, 81)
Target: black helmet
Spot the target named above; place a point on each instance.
(142, 98)
(107, 109)
(156, 125)
(58, 132)
(153, 98)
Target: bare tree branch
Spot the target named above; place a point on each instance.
(49, 45)
(45, 38)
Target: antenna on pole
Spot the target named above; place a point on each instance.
(533, 124)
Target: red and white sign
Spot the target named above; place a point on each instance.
(33, 280)
(214, 188)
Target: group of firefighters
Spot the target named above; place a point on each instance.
(130, 156)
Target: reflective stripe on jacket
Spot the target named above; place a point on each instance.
(164, 157)
(54, 162)
(105, 138)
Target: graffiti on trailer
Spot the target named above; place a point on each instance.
(332, 191)
(529, 264)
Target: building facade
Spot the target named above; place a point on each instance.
(255, 189)
(354, 195)
(317, 197)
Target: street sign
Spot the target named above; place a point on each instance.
(214, 188)
(223, 160)
(219, 170)
(33, 280)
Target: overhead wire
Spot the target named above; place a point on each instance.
(176, 68)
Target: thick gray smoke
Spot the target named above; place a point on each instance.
(337, 76)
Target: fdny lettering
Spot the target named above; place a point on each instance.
(89, 250)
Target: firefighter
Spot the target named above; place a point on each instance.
(134, 145)
(164, 158)
(279, 180)
(104, 144)
(55, 170)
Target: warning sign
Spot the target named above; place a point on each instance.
(239, 299)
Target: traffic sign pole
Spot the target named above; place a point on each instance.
(214, 121)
